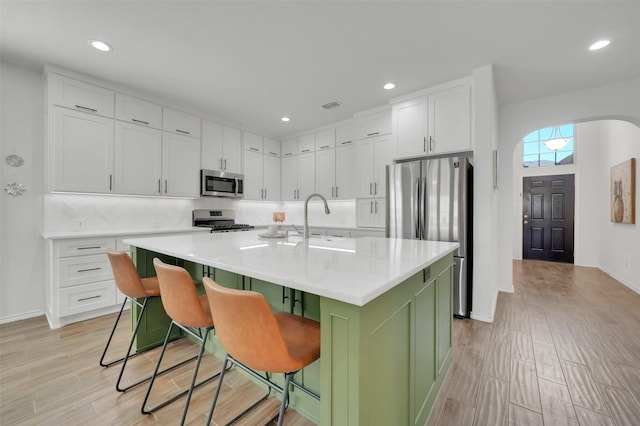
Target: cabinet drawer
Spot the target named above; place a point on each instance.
(306, 144)
(271, 147)
(374, 125)
(81, 96)
(74, 271)
(181, 123)
(88, 297)
(134, 110)
(84, 246)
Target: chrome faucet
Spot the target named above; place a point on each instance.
(306, 215)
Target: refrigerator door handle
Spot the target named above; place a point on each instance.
(422, 216)
(416, 208)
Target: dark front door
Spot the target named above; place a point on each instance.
(547, 219)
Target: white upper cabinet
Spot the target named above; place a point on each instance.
(138, 159)
(81, 96)
(450, 120)
(289, 178)
(436, 123)
(180, 165)
(346, 134)
(252, 141)
(326, 139)
(326, 173)
(346, 173)
(271, 147)
(307, 143)
(376, 124)
(306, 175)
(289, 147)
(221, 147)
(373, 155)
(82, 152)
(410, 127)
(138, 111)
(181, 123)
(271, 177)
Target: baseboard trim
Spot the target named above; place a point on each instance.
(22, 316)
(482, 318)
(487, 318)
(506, 289)
(624, 282)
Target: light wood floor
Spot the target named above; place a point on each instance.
(564, 349)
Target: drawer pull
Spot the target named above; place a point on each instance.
(86, 108)
(140, 121)
(89, 269)
(89, 298)
(88, 248)
(184, 132)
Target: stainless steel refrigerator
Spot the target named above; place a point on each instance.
(432, 199)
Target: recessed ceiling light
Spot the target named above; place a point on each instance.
(389, 86)
(100, 45)
(599, 44)
(285, 119)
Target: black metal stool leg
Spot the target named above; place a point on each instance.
(215, 397)
(155, 372)
(195, 375)
(285, 397)
(113, 331)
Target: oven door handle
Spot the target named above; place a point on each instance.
(236, 186)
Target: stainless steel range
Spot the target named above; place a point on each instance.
(218, 220)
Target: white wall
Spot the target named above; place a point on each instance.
(616, 101)
(21, 247)
(620, 243)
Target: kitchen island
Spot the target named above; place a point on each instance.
(384, 306)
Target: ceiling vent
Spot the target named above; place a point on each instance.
(332, 104)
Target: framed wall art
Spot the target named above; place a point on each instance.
(623, 192)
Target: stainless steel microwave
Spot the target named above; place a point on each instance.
(215, 183)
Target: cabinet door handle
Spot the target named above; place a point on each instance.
(375, 188)
(110, 182)
(220, 163)
(336, 192)
(371, 207)
(324, 147)
(86, 108)
(345, 142)
(254, 149)
(184, 132)
(225, 164)
(430, 143)
(265, 193)
(376, 204)
(306, 150)
(424, 145)
(288, 153)
(89, 269)
(373, 134)
(370, 188)
(140, 121)
(273, 153)
(159, 188)
(88, 248)
(332, 192)
(165, 186)
(89, 298)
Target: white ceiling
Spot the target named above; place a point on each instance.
(249, 63)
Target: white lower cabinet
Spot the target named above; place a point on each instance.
(370, 212)
(81, 282)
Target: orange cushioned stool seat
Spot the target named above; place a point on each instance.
(257, 339)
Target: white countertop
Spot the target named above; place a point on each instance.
(120, 232)
(351, 270)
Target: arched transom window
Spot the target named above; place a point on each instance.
(550, 146)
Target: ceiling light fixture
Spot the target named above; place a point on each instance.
(556, 143)
(100, 45)
(389, 86)
(599, 44)
(285, 119)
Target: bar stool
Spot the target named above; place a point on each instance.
(188, 311)
(135, 289)
(257, 339)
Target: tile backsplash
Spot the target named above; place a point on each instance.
(89, 212)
